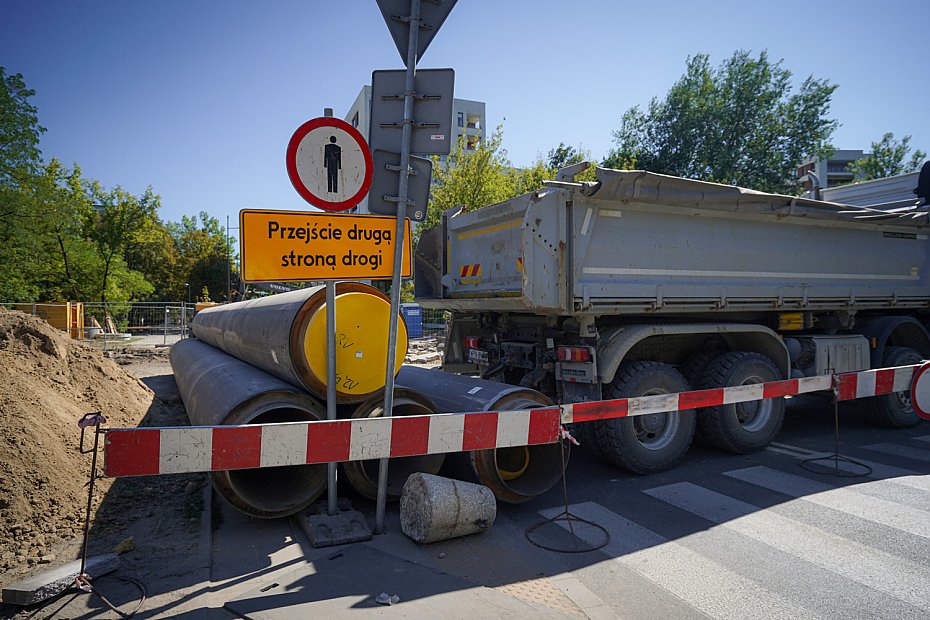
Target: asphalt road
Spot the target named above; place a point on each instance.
(759, 536)
(720, 536)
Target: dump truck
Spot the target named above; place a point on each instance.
(640, 283)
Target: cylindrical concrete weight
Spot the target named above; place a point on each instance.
(515, 475)
(363, 475)
(218, 389)
(285, 336)
(433, 508)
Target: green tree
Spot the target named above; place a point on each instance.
(203, 251)
(115, 221)
(739, 124)
(154, 254)
(66, 260)
(472, 178)
(20, 160)
(565, 155)
(888, 158)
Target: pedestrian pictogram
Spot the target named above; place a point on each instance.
(329, 164)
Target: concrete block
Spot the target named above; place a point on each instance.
(50, 583)
(433, 508)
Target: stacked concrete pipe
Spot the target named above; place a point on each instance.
(285, 336)
(363, 475)
(219, 389)
(515, 475)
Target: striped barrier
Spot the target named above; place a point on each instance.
(186, 449)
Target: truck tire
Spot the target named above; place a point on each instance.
(741, 427)
(895, 410)
(586, 434)
(646, 444)
(692, 369)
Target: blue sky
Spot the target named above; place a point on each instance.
(199, 98)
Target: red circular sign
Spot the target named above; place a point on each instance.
(920, 391)
(329, 164)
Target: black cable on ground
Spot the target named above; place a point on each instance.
(812, 465)
(568, 517)
(85, 580)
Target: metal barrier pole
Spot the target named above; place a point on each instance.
(398, 247)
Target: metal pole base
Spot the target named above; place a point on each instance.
(327, 530)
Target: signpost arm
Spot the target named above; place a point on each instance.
(407, 135)
(330, 377)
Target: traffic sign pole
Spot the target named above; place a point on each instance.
(331, 507)
(414, 30)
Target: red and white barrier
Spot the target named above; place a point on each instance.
(185, 449)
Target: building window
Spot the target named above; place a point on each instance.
(355, 119)
(461, 119)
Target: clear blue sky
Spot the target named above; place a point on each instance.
(199, 98)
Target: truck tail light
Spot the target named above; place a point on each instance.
(472, 342)
(574, 354)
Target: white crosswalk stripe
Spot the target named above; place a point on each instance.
(884, 512)
(880, 471)
(870, 567)
(702, 583)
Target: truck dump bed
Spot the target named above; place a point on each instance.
(637, 242)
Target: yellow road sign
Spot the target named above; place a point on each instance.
(297, 246)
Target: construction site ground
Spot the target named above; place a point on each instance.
(722, 535)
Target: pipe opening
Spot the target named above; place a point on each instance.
(363, 475)
(276, 491)
(521, 473)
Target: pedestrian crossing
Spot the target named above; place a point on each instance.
(776, 541)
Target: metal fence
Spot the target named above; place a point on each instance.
(114, 325)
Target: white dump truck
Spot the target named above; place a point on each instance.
(640, 283)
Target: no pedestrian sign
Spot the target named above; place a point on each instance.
(329, 164)
(297, 246)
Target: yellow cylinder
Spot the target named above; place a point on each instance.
(362, 322)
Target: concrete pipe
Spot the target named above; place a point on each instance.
(218, 389)
(515, 475)
(363, 475)
(434, 508)
(285, 335)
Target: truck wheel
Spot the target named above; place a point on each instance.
(692, 369)
(895, 410)
(586, 434)
(646, 444)
(741, 427)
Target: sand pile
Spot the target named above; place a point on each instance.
(47, 382)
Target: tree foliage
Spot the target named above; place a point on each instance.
(204, 253)
(478, 177)
(888, 158)
(739, 123)
(63, 236)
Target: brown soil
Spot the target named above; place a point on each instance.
(47, 383)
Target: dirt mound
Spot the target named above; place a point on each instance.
(47, 382)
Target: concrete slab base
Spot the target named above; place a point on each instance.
(51, 583)
(348, 582)
(325, 530)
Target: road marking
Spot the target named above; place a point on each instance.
(847, 500)
(795, 451)
(915, 454)
(889, 473)
(700, 582)
(870, 567)
(923, 438)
